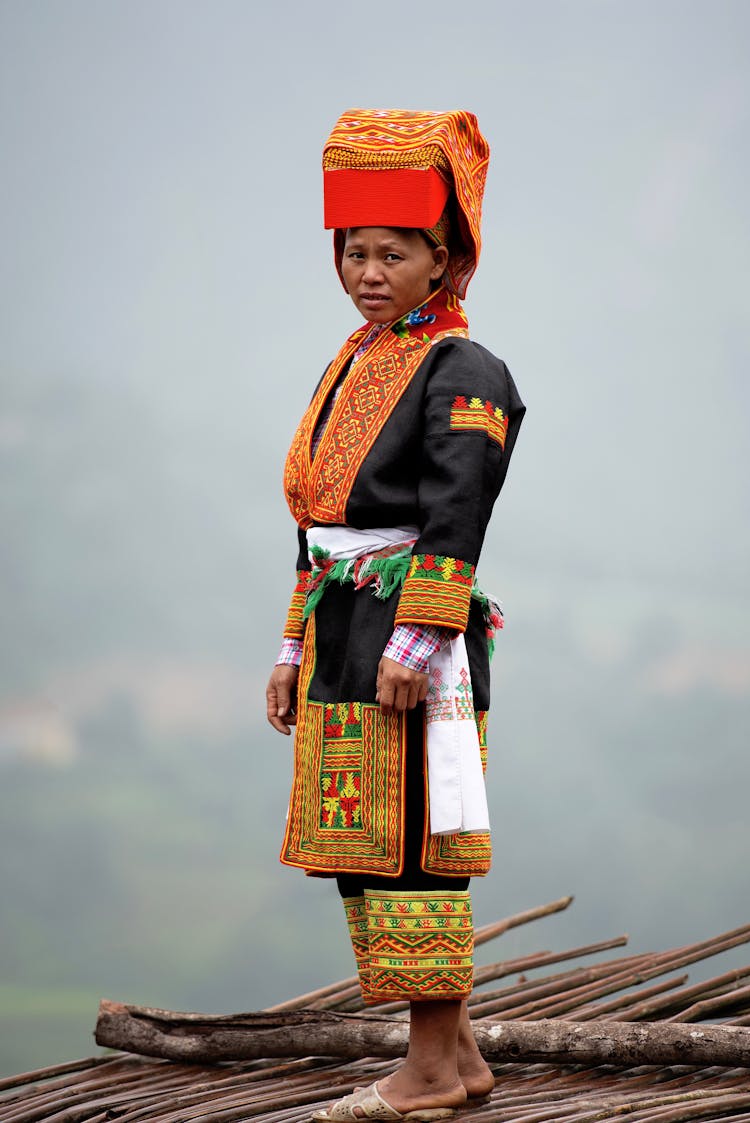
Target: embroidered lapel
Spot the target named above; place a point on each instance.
(318, 490)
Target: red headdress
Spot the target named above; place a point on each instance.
(389, 167)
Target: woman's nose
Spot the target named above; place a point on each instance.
(372, 271)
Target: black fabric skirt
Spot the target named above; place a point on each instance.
(352, 630)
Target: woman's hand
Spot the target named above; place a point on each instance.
(399, 688)
(281, 697)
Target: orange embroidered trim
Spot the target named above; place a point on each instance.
(437, 590)
(295, 624)
(318, 490)
(460, 855)
(360, 413)
(346, 812)
(356, 919)
(420, 944)
(378, 157)
(478, 415)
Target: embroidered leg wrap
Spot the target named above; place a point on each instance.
(356, 918)
(420, 944)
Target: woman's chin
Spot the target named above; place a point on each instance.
(377, 311)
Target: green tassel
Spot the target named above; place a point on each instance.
(386, 575)
(392, 572)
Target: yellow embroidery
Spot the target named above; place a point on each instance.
(477, 415)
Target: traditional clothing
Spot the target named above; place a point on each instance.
(410, 430)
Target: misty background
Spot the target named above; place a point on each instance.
(168, 301)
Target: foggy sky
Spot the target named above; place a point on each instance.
(161, 231)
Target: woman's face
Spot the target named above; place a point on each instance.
(387, 270)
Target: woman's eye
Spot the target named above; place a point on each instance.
(393, 257)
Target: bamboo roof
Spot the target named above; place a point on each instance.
(641, 987)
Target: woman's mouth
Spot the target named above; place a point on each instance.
(373, 298)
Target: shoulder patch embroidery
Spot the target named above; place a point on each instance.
(474, 414)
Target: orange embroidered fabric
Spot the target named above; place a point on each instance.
(387, 139)
(295, 623)
(479, 415)
(437, 591)
(346, 811)
(318, 490)
(420, 944)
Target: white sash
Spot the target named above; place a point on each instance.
(458, 801)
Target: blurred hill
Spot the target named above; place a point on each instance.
(138, 835)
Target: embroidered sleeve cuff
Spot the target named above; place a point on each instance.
(295, 624)
(291, 652)
(412, 645)
(437, 590)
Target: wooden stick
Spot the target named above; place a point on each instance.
(219, 1037)
(490, 931)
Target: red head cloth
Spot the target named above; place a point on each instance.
(389, 167)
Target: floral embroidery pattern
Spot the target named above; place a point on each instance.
(413, 319)
(340, 807)
(341, 800)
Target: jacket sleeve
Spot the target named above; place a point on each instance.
(295, 625)
(472, 413)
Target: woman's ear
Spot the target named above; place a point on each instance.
(440, 256)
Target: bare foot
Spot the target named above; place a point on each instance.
(476, 1075)
(406, 1090)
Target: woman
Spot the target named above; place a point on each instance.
(384, 668)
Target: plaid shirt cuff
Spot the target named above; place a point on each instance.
(411, 645)
(291, 652)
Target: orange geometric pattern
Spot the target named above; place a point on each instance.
(318, 490)
(341, 778)
(388, 138)
(356, 919)
(437, 591)
(475, 414)
(346, 811)
(479, 416)
(459, 855)
(420, 944)
(295, 624)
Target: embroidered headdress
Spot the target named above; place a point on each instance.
(390, 167)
